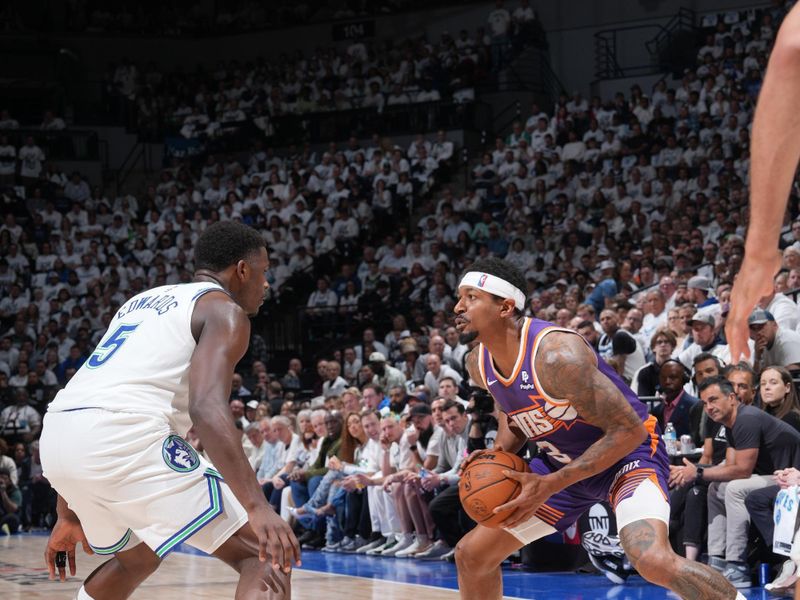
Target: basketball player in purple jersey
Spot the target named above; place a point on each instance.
(596, 442)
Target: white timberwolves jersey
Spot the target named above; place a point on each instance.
(142, 363)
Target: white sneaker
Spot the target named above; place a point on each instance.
(785, 578)
(367, 547)
(390, 543)
(413, 549)
(399, 546)
(435, 552)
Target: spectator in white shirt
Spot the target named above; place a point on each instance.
(436, 372)
(322, 301)
(31, 158)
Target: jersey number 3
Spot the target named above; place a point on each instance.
(107, 348)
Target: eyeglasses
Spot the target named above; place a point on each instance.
(662, 342)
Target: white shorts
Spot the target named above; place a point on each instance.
(129, 478)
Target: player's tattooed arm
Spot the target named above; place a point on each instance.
(567, 370)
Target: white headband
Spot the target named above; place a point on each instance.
(494, 285)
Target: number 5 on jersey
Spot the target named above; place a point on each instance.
(106, 349)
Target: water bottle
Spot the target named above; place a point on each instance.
(671, 439)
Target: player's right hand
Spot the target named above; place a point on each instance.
(66, 534)
(475, 454)
(276, 540)
(754, 281)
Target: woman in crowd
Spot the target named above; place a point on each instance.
(779, 395)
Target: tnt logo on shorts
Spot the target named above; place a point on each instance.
(179, 455)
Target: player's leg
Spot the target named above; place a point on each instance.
(646, 542)
(257, 580)
(479, 555)
(116, 579)
(640, 503)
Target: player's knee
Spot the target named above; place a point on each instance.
(144, 565)
(470, 559)
(655, 565)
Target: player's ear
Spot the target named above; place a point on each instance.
(508, 307)
(242, 269)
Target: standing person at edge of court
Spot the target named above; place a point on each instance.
(112, 442)
(774, 151)
(596, 439)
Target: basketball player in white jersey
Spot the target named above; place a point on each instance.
(112, 444)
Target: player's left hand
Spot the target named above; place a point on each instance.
(680, 476)
(66, 534)
(536, 489)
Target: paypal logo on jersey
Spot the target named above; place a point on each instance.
(525, 385)
(179, 455)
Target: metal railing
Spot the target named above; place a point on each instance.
(608, 43)
(334, 126)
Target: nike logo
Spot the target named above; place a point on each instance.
(491, 382)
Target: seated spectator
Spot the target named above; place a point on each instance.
(323, 301)
(762, 445)
(387, 376)
(255, 451)
(20, 421)
(436, 372)
(676, 404)
(334, 384)
(706, 339)
(645, 381)
(445, 508)
(785, 312)
(10, 504)
(779, 395)
(773, 344)
(761, 506)
(618, 347)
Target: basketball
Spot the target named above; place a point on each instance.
(483, 487)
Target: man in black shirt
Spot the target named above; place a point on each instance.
(762, 445)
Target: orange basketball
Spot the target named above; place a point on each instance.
(483, 487)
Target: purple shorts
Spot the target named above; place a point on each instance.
(612, 485)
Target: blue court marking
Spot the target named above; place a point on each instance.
(517, 584)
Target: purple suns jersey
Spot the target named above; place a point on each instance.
(554, 424)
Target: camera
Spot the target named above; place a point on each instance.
(481, 405)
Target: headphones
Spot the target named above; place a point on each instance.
(687, 374)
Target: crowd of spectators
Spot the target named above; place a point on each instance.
(188, 18)
(207, 103)
(626, 215)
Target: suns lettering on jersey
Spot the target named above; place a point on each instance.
(540, 418)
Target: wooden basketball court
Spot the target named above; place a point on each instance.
(183, 575)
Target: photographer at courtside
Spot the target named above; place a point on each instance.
(483, 420)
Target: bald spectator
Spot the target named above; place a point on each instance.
(775, 346)
(655, 313)
(436, 345)
(676, 405)
(436, 371)
(563, 317)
